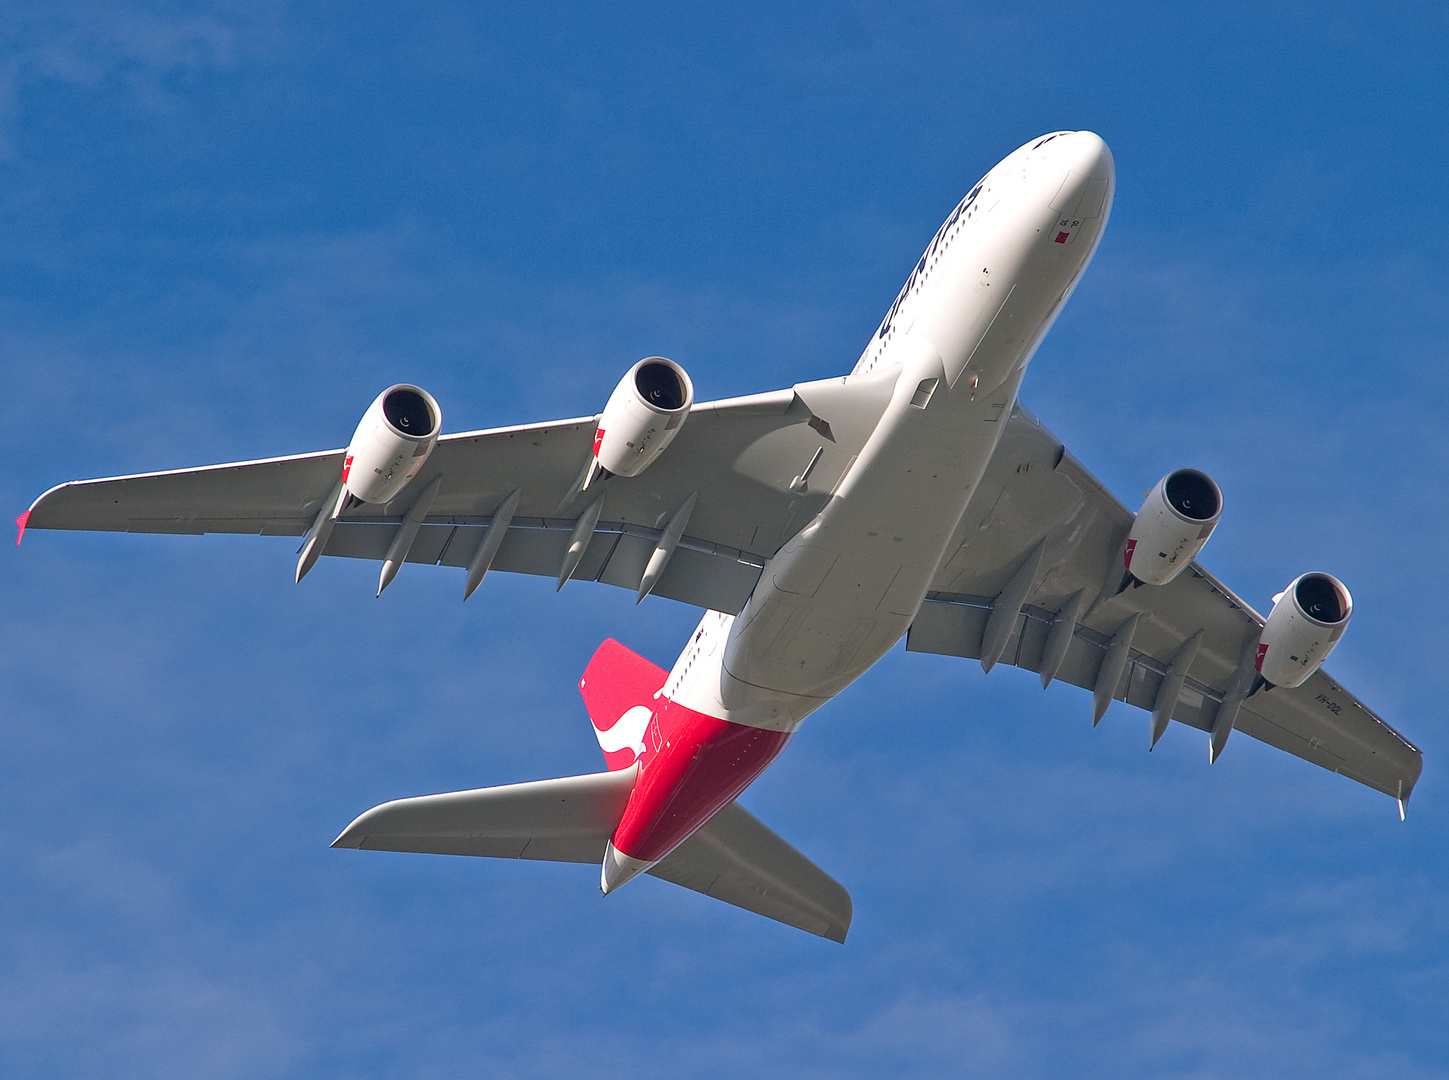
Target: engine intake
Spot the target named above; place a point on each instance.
(393, 441)
(1174, 523)
(1307, 621)
(643, 415)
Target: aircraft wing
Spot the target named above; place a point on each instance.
(734, 857)
(1035, 494)
(748, 460)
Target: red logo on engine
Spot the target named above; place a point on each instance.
(598, 441)
(1262, 652)
(346, 468)
(1127, 555)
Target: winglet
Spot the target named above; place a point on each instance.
(20, 526)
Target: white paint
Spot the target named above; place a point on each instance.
(841, 592)
(627, 733)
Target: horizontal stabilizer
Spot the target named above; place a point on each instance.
(564, 820)
(734, 857)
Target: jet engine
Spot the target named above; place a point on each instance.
(1307, 619)
(1174, 523)
(397, 433)
(644, 413)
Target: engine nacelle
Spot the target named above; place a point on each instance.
(397, 433)
(1174, 523)
(644, 413)
(1306, 622)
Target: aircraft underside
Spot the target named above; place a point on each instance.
(815, 526)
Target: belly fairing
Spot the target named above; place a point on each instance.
(840, 593)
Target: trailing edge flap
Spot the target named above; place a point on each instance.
(735, 857)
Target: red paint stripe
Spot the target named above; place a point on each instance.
(20, 525)
(693, 766)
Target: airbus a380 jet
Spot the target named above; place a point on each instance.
(817, 526)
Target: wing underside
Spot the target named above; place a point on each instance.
(759, 468)
(1037, 503)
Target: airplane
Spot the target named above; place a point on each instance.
(816, 526)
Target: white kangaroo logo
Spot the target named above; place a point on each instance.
(628, 733)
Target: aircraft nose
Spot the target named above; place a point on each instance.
(1080, 179)
(1087, 154)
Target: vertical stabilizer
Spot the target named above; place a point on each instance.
(619, 688)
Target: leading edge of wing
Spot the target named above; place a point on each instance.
(82, 496)
(118, 503)
(89, 505)
(772, 402)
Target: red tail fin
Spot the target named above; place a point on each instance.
(619, 688)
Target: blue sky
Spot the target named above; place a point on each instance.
(225, 227)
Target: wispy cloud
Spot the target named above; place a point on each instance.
(142, 50)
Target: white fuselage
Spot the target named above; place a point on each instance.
(956, 342)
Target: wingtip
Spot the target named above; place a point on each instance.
(352, 836)
(20, 523)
